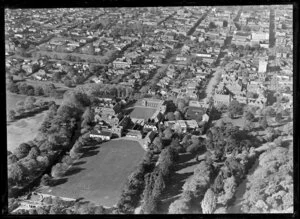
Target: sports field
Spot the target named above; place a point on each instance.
(142, 112)
(100, 176)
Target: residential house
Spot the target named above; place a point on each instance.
(134, 134)
(103, 135)
(149, 138)
(222, 99)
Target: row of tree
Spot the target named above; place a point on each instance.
(194, 191)
(54, 138)
(46, 90)
(155, 182)
(133, 190)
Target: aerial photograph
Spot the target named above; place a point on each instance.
(149, 110)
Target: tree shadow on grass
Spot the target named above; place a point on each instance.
(88, 149)
(56, 182)
(185, 165)
(89, 154)
(73, 171)
(185, 157)
(128, 111)
(174, 190)
(79, 163)
(175, 187)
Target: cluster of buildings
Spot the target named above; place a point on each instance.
(43, 69)
(111, 122)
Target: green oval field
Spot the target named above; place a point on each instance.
(101, 175)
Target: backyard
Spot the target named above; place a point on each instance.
(99, 176)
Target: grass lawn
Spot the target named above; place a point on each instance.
(23, 130)
(142, 112)
(99, 176)
(12, 99)
(236, 122)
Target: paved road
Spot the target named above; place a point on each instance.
(192, 30)
(236, 19)
(272, 39)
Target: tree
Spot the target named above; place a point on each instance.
(194, 147)
(159, 185)
(48, 88)
(88, 117)
(99, 210)
(31, 165)
(168, 133)
(278, 117)
(29, 103)
(54, 210)
(200, 181)
(16, 173)
(249, 116)
(208, 203)
(32, 211)
(22, 150)
(67, 160)
(46, 181)
(181, 105)
(58, 170)
(34, 152)
(225, 23)
(170, 116)
(11, 159)
(212, 25)
(235, 108)
(47, 200)
(13, 87)
(41, 211)
(158, 143)
(43, 160)
(229, 190)
(23, 88)
(263, 122)
(38, 91)
(180, 206)
(12, 115)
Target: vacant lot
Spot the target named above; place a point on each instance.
(142, 113)
(99, 176)
(23, 130)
